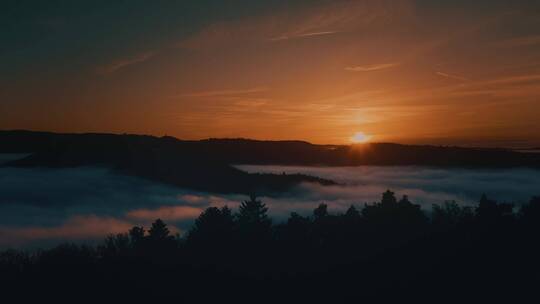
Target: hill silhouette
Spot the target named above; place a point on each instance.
(106, 147)
(206, 165)
(166, 160)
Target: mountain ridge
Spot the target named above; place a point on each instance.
(257, 152)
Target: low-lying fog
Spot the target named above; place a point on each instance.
(42, 207)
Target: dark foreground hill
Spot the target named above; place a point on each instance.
(386, 252)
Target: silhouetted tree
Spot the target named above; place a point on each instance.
(352, 213)
(253, 222)
(137, 240)
(325, 226)
(72, 256)
(13, 262)
(383, 212)
(388, 199)
(296, 231)
(530, 213)
(490, 212)
(159, 231)
(391, 213)
(410, 213)
(404, 201)
(115, 245)
(320, 212)
(214, 227)
(136, 234)
(450, 214)
(351, 219)
(159, 243)
(351, 227)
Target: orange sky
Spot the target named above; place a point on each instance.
(404, 71)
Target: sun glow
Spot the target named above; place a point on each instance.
(360, 138)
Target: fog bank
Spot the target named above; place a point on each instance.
(42, 207)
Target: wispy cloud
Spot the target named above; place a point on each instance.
(513, 79)
(251, 103)
(303, 35)
(372, 67)
(451, 76)
(522, 86)
(515, 84)
(222, 93)
(124, 62)
(324, 19)
(521, 41)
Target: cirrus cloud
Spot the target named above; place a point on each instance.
(372, 67)
(124, 62)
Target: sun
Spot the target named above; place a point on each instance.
(360, 138)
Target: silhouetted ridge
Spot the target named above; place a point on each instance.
(165, 160)
(59, 149)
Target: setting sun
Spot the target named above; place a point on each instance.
(360, 137)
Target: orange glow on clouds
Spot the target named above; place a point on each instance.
(167, 213)
(75, 228)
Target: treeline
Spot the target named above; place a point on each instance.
(386, 246)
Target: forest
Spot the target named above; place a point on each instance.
(383, 250)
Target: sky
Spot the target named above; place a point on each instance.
(410, 71)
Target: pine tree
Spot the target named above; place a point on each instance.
(252, 219)
(320, 212)
(159, 231)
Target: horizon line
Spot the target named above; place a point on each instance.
(450, 145)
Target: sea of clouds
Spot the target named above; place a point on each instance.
(43, 207)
